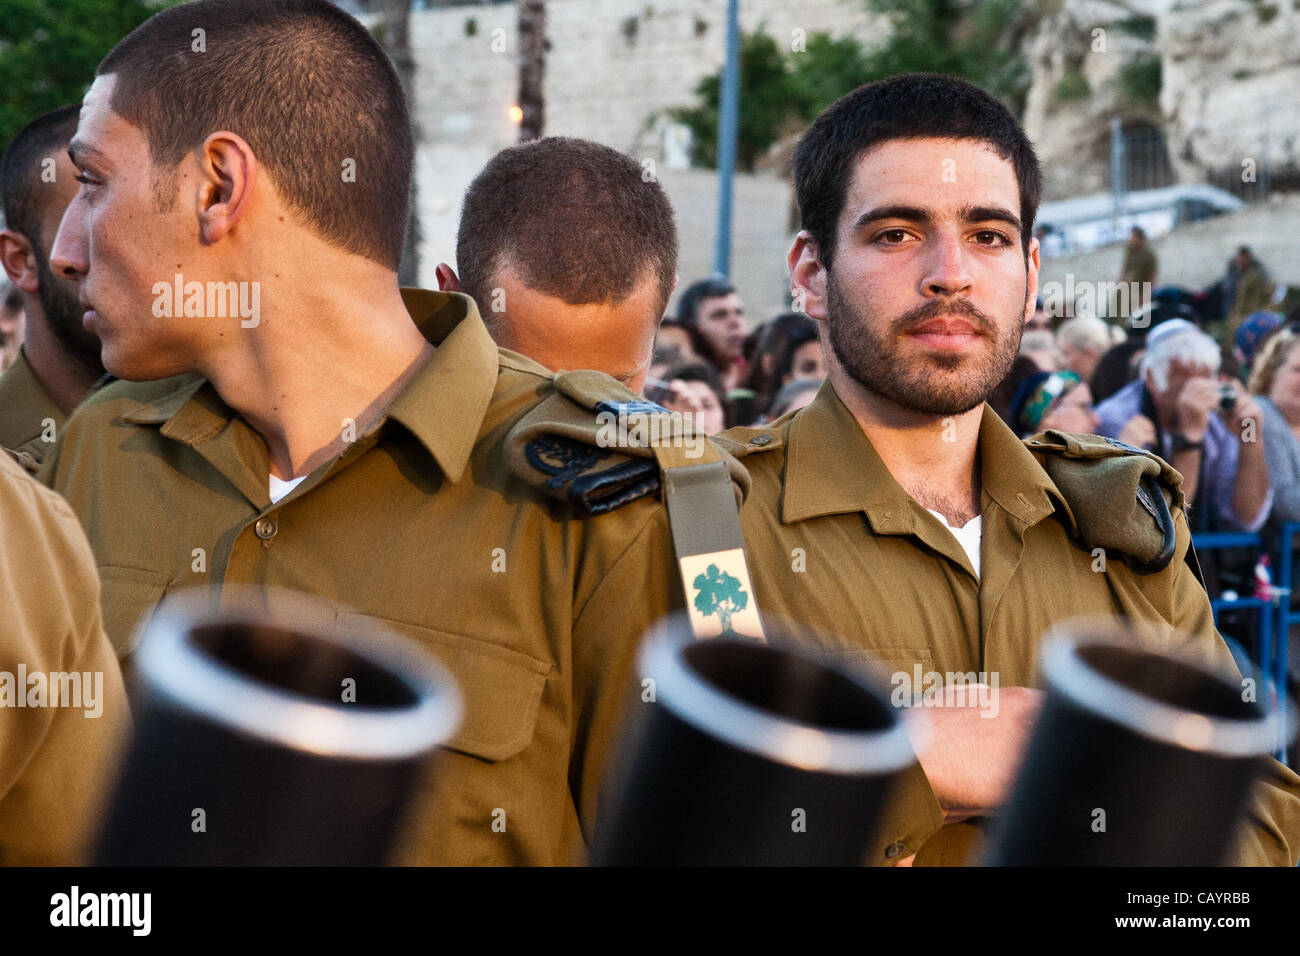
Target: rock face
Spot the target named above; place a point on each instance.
(1232, 81)
(1217, 80)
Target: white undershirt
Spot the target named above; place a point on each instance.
(280, 487)
(967, 536)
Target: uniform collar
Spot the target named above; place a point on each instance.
(442, 405)
(832, 468)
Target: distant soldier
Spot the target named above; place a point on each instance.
(1253, 289)
(333, 434)
(59, 361)
(1139, 266)
(897, 516)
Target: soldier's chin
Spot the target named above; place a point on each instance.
(121, 363)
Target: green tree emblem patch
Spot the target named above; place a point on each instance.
(719, 594)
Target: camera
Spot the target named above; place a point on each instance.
(1227, 397)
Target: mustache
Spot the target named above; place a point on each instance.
(937, 308)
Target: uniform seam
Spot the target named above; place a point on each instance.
(614, 565)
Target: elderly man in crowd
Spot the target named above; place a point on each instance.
(1209, 431)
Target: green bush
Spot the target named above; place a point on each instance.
(779, 87)
(49, 51)
(1072, 86)
(1141, 79)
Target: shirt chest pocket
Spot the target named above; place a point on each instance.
(128, 597)
(501, 688)
(883, 660)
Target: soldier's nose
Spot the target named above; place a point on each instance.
(68, 253)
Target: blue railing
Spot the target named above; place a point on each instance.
(1272, 617)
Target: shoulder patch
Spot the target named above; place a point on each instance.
(597, 445)
(1119, 496)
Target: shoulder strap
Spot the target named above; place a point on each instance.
(598, 446)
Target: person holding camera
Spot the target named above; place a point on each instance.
(1210, 431)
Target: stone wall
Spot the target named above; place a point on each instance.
(614, 68)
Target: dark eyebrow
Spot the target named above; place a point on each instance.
(77, 151)
(969, 214)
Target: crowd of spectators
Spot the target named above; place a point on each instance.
(709, 363)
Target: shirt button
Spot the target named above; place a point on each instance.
(760, 440)
(265, 528)
(894, 849)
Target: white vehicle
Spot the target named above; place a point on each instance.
(1087, 222)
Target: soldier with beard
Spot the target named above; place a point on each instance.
(59, 362)
(896, 516)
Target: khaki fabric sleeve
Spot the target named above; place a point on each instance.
(912, 819)
(57, 763)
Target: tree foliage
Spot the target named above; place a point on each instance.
(978, 41)
(49, 50)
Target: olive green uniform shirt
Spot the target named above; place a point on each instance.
(836, 545)
(1254, 292)
(29, 420)
(57, 763)
(421, 525)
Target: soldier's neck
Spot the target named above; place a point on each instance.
(933, 457)
(310, 379)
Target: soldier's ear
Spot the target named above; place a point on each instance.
(1032, 264)
(19, 261)
(227, 181)
(807, 276)
(448, 281)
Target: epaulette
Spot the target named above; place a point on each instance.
(597, 446)
(1120, 496)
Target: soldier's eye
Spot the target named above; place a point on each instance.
(991, 237)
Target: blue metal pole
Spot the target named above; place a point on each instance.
(728, 121)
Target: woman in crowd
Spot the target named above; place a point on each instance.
(696, 388)
(1275, 381)
(768, 365)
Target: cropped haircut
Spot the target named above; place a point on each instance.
(576, 220)
(305, 84)
(909, 106)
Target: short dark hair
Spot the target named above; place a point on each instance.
(577, 220)
(20, 170)
(799, 336)
(909, 106)
(688, 303)
(304, 83)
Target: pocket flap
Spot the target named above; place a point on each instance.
(501, 687)
(128, 597)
